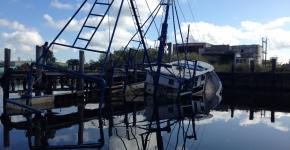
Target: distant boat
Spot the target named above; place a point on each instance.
(181, 75)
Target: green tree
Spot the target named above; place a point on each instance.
(73, 63)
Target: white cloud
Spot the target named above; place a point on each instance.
(244, 120)
(75, 25)
(14, 25)
(57, 4)
(20, 37)
(86, 8)
(251, 26)
(277, 125)
(55, 48)
(21, 41)
(278, 43)
(28, 6)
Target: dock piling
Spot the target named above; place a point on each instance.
(81, 70)
(7, 81)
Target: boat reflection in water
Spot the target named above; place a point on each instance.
(176, 118)
(125, 123)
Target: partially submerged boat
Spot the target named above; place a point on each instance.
(183, 78)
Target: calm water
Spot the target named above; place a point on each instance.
(228, 126)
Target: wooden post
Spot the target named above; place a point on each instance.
(273, 90)
(7, 82)
(91, 85)
(272, 115)
(233, 74)
(81, 70)
(24, 83)
(135, 70)
(72, 84)
(233, 88)
(111, 82)
(61, 82)
(110, 106)
(87, 85)
(169, 51)
(37, 131)
(273, 73)
(252, 64)
(54, 82)
(135, 114)
(252, 69)
(49, 86)
(6, 133)
(81, 123)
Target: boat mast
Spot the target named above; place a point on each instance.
(162, 43)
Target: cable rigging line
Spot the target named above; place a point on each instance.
(184, 19)
(193, 20)
(152, 16)
(170, 136)
(201, 137)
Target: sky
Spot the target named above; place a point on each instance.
(27, 23)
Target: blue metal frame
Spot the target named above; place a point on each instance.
(99, 79)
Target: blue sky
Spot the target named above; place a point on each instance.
(27, 23)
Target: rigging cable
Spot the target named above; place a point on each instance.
(116, 132)
(194, 140)
(177, 135)
(109, 23)
(180, 32)
(201, 137)
(176, 48)
(135, 137)
(193, 20)
(186, 135)
(152, 16)
(170, 136)
(185, 19)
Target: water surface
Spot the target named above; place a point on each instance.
(129, 123)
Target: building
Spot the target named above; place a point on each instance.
(245, 53)
(218, 54)
(223, 54)
(191, 47)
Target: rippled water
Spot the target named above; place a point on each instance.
(233, 124)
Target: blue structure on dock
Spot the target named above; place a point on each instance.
(83, 43)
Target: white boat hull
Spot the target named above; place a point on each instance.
(171, 78)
